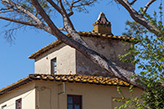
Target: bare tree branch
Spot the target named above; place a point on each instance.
(75, 2)
(61, 28)
(148, 4)
(138, 17)
(29, 23)
(6, 8)
(132, 2)
(58, 9)
(92, 55)
(21, 13)
(52, 28)
(67, 3)
(7, 11)
(77, 42)
(71, 6)
(70, 14)
(65, 14)
(9, 33)
(19, 21)
(24, 11)
(55, 6)
(88, 3)
(69, 27)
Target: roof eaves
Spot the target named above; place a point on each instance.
(80, 78)
(14, 85)
(65, 78)
(45, 49)
(84, 34)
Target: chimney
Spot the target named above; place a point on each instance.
(102, 25)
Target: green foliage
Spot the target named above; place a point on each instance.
(149, 56)
(128, 103)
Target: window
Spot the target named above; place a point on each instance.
(19, 104)
(54, 66)
(4, 107)
(74, 102)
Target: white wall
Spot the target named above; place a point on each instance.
(26, 93)
(93, 96)
(65, 56)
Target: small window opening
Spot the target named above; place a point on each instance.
(19, 104)
(74, 102)
(54, 66)
(4, 107)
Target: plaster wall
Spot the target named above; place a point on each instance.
(26, 93)
(110, 48)
(93, 96)
(65, 56)
(70, 61)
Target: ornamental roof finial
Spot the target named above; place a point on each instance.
(102, 25)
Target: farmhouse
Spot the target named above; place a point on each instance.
(65, 79)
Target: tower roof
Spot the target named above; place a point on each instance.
(102, 20)
(102, 25)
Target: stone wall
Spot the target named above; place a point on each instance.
(109, 48)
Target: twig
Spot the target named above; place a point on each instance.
(148, 4)
(24, 11)
(7, 11)
(6, 8)
(132, 2)
(19, 21)
(67, 3)
(55, 6)
(138, 17)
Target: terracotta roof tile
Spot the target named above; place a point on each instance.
(14, 85)
(84, 34)
(80, 78)
(65, 78)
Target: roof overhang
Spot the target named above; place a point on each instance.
(84, 34)
(65, 78)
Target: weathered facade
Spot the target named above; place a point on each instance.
(110, 48)
(65, 79)
(100, 40)
(66, 60)
(26, 94)
(40, 91)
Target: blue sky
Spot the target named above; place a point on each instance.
(14, 62)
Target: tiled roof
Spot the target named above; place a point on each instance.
(80, 78)
(84, 34)
(102, 20)
(14, 85)
(65, 78)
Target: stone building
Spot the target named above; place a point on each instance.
(59, 58)
(65, 79)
